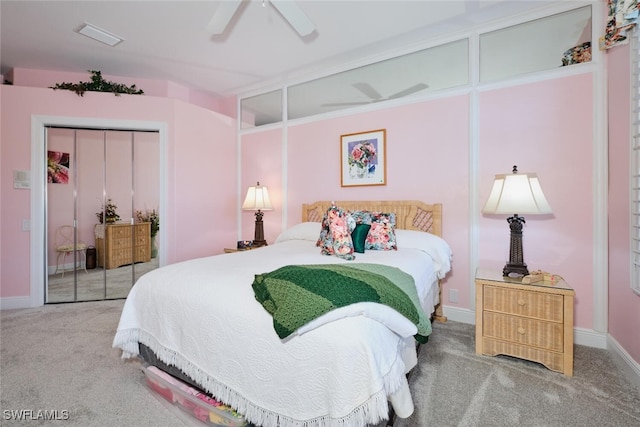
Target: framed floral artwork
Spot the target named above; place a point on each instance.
(363, 158)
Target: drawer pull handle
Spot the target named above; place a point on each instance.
(521, 302)
(521, 330)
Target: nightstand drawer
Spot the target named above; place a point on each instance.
(538, 305)
(522, 330)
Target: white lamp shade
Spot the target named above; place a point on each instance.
(257, 199)
(517, 193)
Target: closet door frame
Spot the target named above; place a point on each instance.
(38, 190)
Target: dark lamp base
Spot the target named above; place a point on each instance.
(258, 236)
(258, 243)
(516, 262)
(520, 269)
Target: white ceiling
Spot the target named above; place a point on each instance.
(168, 40)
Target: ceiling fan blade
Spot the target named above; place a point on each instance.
(295, 16)
(409, 91)
(222, 16)
(368, 90)
(345, 104)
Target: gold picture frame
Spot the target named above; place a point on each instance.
(363, 158)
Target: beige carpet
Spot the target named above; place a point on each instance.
(455, 387)
(59, 358)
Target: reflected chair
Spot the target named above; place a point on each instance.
(64, 242)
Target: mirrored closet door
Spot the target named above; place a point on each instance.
(102, 212)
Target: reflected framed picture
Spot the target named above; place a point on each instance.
(363, 158)
(57, 167)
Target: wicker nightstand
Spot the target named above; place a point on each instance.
(528, 321)
(122, 243)
(232, 250)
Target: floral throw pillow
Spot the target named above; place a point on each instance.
(382, 236)
(362, 217)
(341, 224)
(335, 235)
(325, 241)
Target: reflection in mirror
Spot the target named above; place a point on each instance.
(65, 235)
(542, 44)
(431, 69)
(116, 248)
(146, 202)
(261, 109)
(104, 166)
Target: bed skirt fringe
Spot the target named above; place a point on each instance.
(127, 340)
(373, 411)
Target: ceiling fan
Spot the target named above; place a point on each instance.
(287, 8)
(375, 96)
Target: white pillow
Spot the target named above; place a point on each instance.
(303, 231)
(433, 245)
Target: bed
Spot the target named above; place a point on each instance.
(200, 320)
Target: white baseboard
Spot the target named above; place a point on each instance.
(461, 315)
(12, 303)
(624, 361)
(590, 338)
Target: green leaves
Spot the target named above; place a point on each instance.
(98, 84)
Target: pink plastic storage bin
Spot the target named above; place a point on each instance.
(194, 402)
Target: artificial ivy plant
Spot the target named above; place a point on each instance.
(98, 84)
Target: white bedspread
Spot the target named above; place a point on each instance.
(202, 316)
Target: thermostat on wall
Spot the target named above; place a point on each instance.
(21, 179)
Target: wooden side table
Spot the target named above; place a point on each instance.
(529, 321)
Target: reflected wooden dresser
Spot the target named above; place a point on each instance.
(122, 244)
(529, 321)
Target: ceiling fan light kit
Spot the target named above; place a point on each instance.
(287, 8)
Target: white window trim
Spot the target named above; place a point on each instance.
(635, 159)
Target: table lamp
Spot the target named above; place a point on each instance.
(521, 193)
(258, 200)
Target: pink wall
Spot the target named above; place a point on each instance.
(200, 162)
(160, 88)
(419, 137)
(545, 128)
(541, 127)
(146, 170)
(202, 184)
(624, 305)
(262, 162)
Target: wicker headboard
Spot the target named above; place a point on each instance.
(410, 214)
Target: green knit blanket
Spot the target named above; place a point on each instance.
(296, 294)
